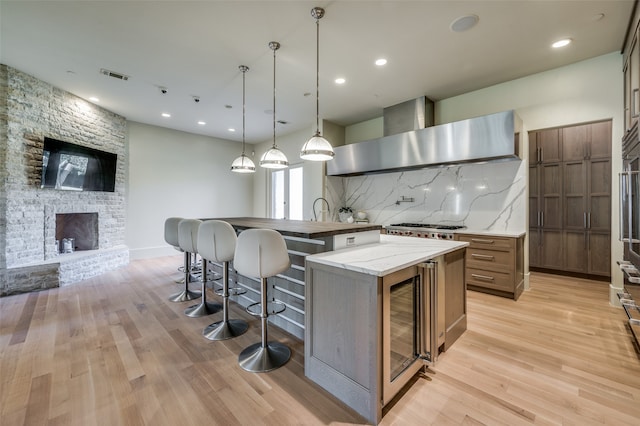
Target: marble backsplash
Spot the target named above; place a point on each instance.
(482, 197)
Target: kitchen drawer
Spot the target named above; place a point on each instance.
(496, 280)
(478, 258)
(488, 242)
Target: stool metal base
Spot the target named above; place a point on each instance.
(274, 307)
(258, 359)
(192, 278)
(184, 296)
(203, 309)
(223, 330)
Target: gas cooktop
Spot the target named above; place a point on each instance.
(428, 226)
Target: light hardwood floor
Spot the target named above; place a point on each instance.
(113, 351)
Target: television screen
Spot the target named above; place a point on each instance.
(77, 168)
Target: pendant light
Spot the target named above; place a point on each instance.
(243, 164)
(274, 158)
(317, 148)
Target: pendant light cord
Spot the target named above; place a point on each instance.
(244, 70)
(317, 76)
(274, 93)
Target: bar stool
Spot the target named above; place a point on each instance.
(188, 230)
(262, 253)
(217, 243)
(186, 243)
(171, 236)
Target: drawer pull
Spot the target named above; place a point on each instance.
(482, 256)
(482, 277)
(482, 241)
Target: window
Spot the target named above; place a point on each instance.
(286, 193)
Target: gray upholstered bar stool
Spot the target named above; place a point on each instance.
(186, 241)
(188, 233)
(217, 243)
(262, 253)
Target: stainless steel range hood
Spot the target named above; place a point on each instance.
(490, 137)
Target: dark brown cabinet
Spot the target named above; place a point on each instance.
(587, 141)
(545, 147)
(494, 264)
(545, 199)
(631, 70)
(570, 202)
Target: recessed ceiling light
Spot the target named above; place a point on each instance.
(231, 129)
(166, 115)
(464, 23)
(202, 123)
(561, 43)
(340, 80)
(94, 99)
(380, 62)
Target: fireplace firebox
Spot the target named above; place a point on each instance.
(81, 228)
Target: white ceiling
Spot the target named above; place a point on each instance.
(195, 48)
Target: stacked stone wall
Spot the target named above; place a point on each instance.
(31, 110)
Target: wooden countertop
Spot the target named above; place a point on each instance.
(298, 228)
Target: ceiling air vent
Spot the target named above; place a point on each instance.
(114, 74)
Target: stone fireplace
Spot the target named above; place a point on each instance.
(33, 218)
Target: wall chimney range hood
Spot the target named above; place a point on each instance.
(487, 138)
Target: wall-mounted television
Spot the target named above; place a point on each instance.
(73, 167)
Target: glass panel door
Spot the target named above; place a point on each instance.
(278, 194)
(295, 192)
(287, 193)
(403, 326)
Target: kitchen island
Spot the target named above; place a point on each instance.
(303, 238)
(374, 313)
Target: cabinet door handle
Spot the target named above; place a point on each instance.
(542, 219)
(589, 220)
(634, 103)
(541, 155)
(482, 241)
(584, 219)
(482, 256)
(482, 277)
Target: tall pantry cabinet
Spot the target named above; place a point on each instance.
(570, 198)
(545, 199)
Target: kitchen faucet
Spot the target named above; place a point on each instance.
(315, 216)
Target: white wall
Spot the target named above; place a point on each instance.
(173, 173)
(366, 130)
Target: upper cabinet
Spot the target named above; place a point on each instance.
(545, 146)
(586, 142)
(631, 70)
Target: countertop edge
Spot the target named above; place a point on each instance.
(508, 234)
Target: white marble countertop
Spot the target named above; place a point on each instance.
(513, 234)
(391, 254)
